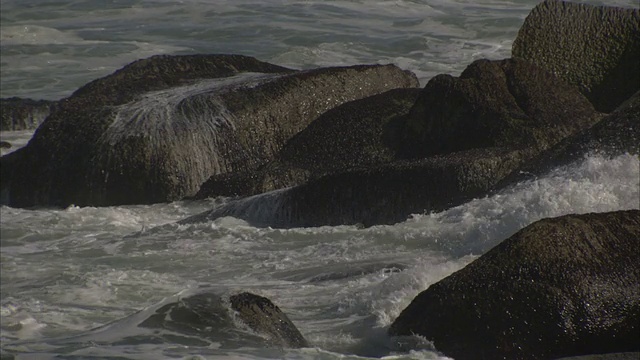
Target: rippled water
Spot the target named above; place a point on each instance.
(50, 48)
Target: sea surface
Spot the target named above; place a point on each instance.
(76, 282)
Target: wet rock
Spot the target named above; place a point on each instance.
(596, 48)
(385, 194)
(5, 145)
(261, 315)
(461, 138)
(23, 114)
(610, 356)
(509, 103)
(616, 134)
(355, 134)
(157, 129)
(209, 316)
(565, 286)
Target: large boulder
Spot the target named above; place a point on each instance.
(559, 287)
(462, 136)
(23, 114)
(596, 48)
(157, 129)
(359, 133)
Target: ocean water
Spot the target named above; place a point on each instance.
(76, 282)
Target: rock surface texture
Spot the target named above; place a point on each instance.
(596, 48)
(157, 129)
(616, 134)
(359, 133)
(560, 287)
(462, 136)
(509, 103)
(209, 316)
(261, 315)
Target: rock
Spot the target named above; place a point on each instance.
(208, 315)
(510, 103)
(596, 48)
(461, 138)
(5, 145)
(355, 134)
(385, 194)
(610, 356)
(7, 164)
(261, 315)
(155, 130)
(616, 134)
(565, 286)
(23, 114)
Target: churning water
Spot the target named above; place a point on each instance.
(66, 273)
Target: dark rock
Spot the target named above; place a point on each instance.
(560, 287)
(261, 315)
(616, 134)
(5, 145)
(355, 134)
(7, 164)
(157, 129)
(209, 316)
(610, 356)
(509, 103)
(475, 131)
(596, 48)
(385, 194)
(23, 114)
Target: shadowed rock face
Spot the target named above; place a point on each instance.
(559, 287)
(208, 316)
(356, 134)
(616, 134)
(384, 194)
(23, 114)
(596, 48)
(509, 103)
(158, 128)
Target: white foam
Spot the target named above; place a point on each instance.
(595, 184)
(17, 139)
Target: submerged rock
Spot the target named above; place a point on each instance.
(209, 316)
(596, 48)
(157, 129)
(23, 114)
(559, 287)
(261, 315)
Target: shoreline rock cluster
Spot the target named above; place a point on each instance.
(364, 145)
